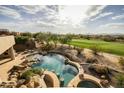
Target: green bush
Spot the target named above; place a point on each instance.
(21, 39)
(27, 74)
(47, 47)
(37, 70)
(120, 80)
(121, 61)
(27, 34)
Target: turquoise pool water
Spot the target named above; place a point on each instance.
(56, 63)
(87, 84)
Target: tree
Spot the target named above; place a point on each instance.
(40, 37)
(54, 38)
(28, 34)
(96, 48)
(65, 39)
(46, 47)
(21, 39)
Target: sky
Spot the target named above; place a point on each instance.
(62, 19)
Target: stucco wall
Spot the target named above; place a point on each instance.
(6, 42)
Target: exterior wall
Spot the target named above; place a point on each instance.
(6, 42)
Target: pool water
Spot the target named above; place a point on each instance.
(87, 84)
(56, 63)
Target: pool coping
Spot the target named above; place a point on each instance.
(55, 79)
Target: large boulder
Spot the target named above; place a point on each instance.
(105, 83)
(100, 69)
(18, 67)
(14, 79)
(20, 82)
(8, 84)
(73, 58)
(25, 63)
(88, 53)
(23, 86)
(72, 51)
(92, 60)
(34, 82)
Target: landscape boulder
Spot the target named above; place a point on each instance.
(105, 83)
(20, 82)
(23, 86)
(34, 82)
(18, 67)
(100, 69)
(8, 84)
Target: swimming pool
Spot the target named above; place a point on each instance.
(57, 64)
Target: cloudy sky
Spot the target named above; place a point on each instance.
(94, 19)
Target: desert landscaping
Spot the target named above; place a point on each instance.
(37, 57)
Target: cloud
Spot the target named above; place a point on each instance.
(64, 19)
(113, 26)
(31, 9)
(44, 24)
(118, 17)
(95, 9)
(102, 15)
(9, 12)
(78, 14)
(42, 14)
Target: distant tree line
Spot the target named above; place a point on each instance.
(108, 38)
(62, 38)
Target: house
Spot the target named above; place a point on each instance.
(6, 46)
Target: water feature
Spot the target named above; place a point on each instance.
(57, 64)
(87, 84)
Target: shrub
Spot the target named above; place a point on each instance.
(37, 71)
(21, 39)
(47, 47)
(28, 34)
(121, 61)
(120, 80)
(96, 48)
(27, 74)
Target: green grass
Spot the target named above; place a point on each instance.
(110, 47)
